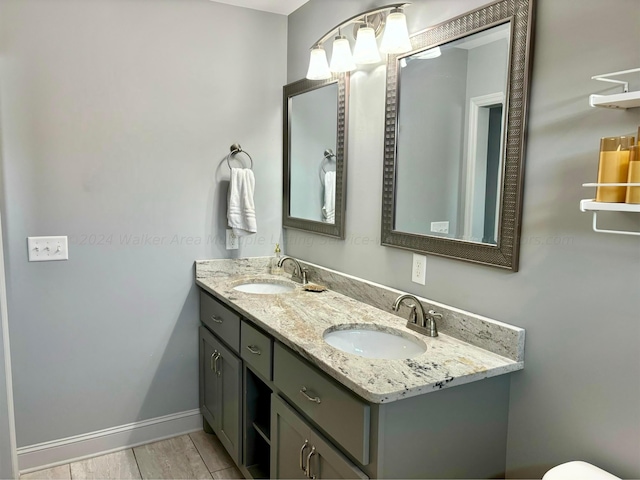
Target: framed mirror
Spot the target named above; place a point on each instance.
(315, 155)
(456, 108)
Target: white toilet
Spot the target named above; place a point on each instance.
(578, 471)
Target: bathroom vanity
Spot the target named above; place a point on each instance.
(286, 404)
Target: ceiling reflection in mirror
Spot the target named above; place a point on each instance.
(314, 134)
(449, 170)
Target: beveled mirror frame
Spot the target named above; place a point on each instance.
(520, 15)
(337, 228)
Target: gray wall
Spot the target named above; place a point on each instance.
(116, 118)
(429, 142)
(487, 69)
(577, 291)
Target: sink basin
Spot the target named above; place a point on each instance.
(265, 287)
(369, 342)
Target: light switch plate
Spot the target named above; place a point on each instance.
(47, 249)
(419, 269)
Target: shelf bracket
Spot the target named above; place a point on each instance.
(587, 206)
(605, 78)
(623, 100)
(616, 232)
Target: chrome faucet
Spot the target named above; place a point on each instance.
(421, 323)
(299, 273)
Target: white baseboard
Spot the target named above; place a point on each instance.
(78, 447)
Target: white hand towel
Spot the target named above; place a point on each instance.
(241, 211)
(329, 208)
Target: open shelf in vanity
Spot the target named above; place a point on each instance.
(257, 424)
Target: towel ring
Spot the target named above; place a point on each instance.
(328, 155)
(235, 149)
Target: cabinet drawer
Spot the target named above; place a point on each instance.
(336, 410)
(255, 349)
(222, 321)
(293, 437)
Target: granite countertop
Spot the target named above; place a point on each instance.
(298, 319)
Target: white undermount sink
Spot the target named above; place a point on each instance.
(369, 342)
(265, 287)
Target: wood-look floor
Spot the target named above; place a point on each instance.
(198, 455)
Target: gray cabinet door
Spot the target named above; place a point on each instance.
(209, 388)
(296, 447)
(289, 441)
(230, 382)
(329, 462)
(220, 391)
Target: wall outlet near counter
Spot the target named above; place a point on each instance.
(419, 269)
(232, 240)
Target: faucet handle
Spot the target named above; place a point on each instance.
(431, 322)
(303, 275)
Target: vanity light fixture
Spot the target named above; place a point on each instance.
(318, 64)
(396, 36)
(341, 58)
(366, 48)
(368, 25)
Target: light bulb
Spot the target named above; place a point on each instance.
(341, 58)
(396, 35)
(318, 65)
(366, 48)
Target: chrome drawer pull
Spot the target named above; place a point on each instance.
(215, 358)
(303, 391)
(253, 349)
(304, 447)
(216, 319)
(308, 472)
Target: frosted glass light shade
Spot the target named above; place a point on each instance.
(318, 65)
(396, 34)
(366, 49)
(341, 58)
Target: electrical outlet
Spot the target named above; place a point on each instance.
(232, 240)
(440, 227)
(47, 249)
(419, 269)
